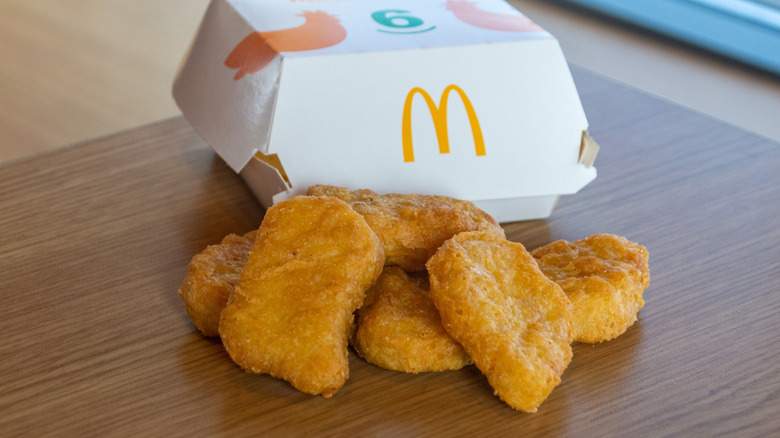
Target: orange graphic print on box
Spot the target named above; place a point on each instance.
(467, 12)
(320, 30)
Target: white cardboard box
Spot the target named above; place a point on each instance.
(468, 99)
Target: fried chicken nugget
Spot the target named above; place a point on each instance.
(291, 312)
(412, 227)
(212, 275)
(514, 322)
(399, 328)
(604, 276)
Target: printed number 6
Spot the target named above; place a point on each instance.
(401, 21)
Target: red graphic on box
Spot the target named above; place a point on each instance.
(320, 30)
(467, 12)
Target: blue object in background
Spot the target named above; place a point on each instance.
(741, 29)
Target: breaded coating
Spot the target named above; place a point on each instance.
(604, 276)
(211, 277)
(399, 328)
(291, 312)
(514, 322)
(412, 227)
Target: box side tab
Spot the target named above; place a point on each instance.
(588, 150)
(265, 180)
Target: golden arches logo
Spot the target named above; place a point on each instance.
(439, 116)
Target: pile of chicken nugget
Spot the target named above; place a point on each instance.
(414, 283)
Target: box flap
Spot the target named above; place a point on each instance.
(233, 116)
(386, 134)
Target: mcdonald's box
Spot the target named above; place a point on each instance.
(463, 98)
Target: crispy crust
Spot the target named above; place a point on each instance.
(291, 312)
(604, 276)
(513, 321)
(412, 227)
(399, 328)
(212, 275)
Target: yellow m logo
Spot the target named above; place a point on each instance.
(439, 115)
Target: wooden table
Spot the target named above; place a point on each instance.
(95, 239)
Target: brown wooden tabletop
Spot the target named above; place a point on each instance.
(95, 239)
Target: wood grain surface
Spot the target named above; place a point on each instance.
(96, 238)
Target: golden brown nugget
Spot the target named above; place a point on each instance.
(604, 276)
(399, 328)
(412, 227)
(212, 275)
(291, 312)
(514, 322)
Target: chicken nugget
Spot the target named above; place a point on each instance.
(399, 328)
(291, 312)
(604, 276)
(514, 323)
(212, 275)
(412, 227)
